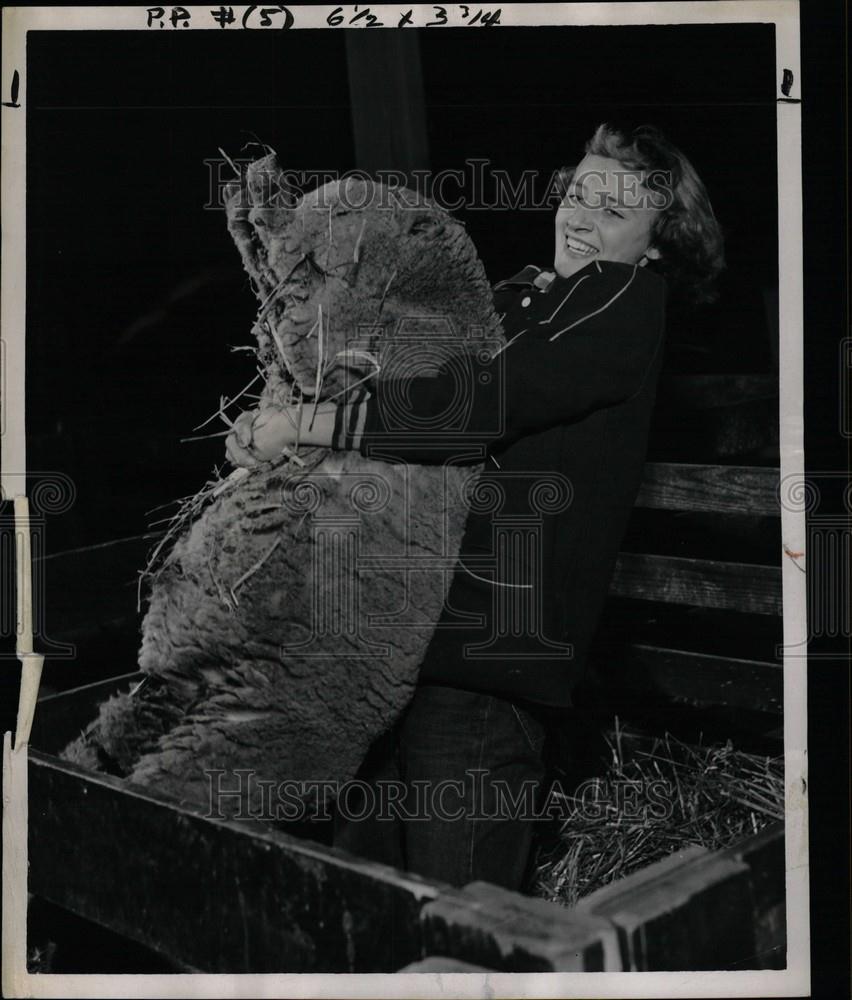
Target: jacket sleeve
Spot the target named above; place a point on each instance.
(596, 351)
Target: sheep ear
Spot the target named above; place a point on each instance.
(267, 186)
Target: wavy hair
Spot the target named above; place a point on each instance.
(685, 232)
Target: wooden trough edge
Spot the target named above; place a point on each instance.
(149, 868)
(701, 910)
(216, 895)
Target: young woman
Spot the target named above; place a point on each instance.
(578, 376)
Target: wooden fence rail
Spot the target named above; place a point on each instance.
(701, 583)
(718, 489)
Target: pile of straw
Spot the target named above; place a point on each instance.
(680, 795)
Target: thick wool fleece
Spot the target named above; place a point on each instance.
(287, 625)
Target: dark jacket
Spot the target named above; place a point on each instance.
(561, 416)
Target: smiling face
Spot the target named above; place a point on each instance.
(606, 215)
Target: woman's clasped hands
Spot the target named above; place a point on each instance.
(264, 434)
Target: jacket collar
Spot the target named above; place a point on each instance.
(525, 278)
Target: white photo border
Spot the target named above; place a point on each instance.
(792, 981)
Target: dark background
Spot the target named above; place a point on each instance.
(135, 292)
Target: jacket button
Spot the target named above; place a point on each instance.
(525, 301)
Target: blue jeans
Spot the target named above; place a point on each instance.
(471, 766)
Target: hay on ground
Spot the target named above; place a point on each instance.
(679, 795)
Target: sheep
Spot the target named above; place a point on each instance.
(287, 622)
